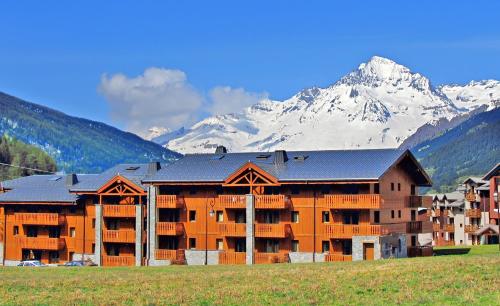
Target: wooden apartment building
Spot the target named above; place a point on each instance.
(222, 208)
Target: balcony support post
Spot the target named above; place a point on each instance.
(138, 235)
(250, 233)
(151, 241)
(98, 234)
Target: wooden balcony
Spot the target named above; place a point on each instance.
(41, 243)
(232, 258)
(271, 201)
(118, 261)
(473, 213)
(118, 211)
(232, 229)
(436, 227)
(232, 201)
(118, 236)
(279, 230)
(169, 228)
(172, 255)
(415, 201)
(436, 213)
(39, 218)
(471, 228)
(346, 231)
(337, 257)
(169, 201)
(419, 227)
(449, 227)
(268, 258)
(352, 201)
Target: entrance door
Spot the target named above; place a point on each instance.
(368, 251)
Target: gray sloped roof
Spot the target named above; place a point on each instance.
(494, 171)
(334, 165)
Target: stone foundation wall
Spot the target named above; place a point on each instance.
(393, 246)
(79, 257)
(194, 257)
(357, 246)
(301, 257)
(157, 263)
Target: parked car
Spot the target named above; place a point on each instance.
(31, 263)
(79, 263)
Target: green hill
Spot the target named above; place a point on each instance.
(469, 149)
(77, 145)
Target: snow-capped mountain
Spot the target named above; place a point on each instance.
(378, 105)
(156, 131)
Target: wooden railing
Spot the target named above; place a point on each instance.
(267, 258)
(169, 201)
(172, 255)
(348, 230)
(471, 228)
(338, 257)
(116, 261)
(118, 211)
(41, 243)
(437, 213)
(39, 218)
(279, 230)
(232, 201)
(415, 201)
(121, 236)
(232, 258)
(271, 201)
(442, 242)
(473, 213)
(449, 227)
(436, 227)
(352, 201)
(232, 229)
(169, 228)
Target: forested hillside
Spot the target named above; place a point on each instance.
(470, 149)
(77, 145)
(17, 153)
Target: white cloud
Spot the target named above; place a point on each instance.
(229, 100)
(159, 97)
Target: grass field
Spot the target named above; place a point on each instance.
(460, 279)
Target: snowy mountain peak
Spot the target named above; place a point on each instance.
(378, 105)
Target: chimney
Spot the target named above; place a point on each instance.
(220, 150)
(71, 179)
(153, 167)
(280, 157)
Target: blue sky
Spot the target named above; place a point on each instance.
(56, 52)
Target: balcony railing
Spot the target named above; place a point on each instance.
(436, 213)
(232, 201)
(473, 213)
(117, 261)
(471, 228)
(169, 228)
(271, 201)
(232, 258)
(41, 243)
(338, 257)
(169, 201)
(267, 258)
(436, 227)
(39, 218)
(119, 236)
(118, 211)
(232, 229)
(172, 255)
(449, 227)
(419, 227)
(415, 201)
(272, 230)
(348, 230)
(352, 201)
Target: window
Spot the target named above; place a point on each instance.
(295, 190)
(461, 225)
(53, 257)
(376, 216)
(350, 217)
(240, 217)
(72, 232)
(220, 216)
(113, 224)
(192, 243)
(93, 223)
(413, 189)
(240, 245)
(272, 246)
(376, 188)
(93, 248)
(295, 217)
(392, 186)
(192, 216)
(399, 186)
(347, 247)
(326, 217)
(16, 230)
(452, 220)
(392, 214)
(399, 245)
(325, 246)
(220, 244)
(399, 214)
(295, 245)
(413, 240)
(32, 231)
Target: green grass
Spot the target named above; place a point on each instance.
(444, 280)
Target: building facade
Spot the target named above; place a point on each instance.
(223, 208)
